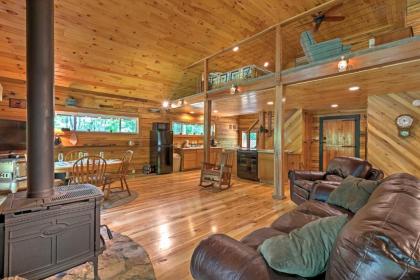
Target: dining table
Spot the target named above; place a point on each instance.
(67, 166)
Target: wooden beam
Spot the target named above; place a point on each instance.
(248, 133)
(371, 60)
(309, 12)
(207, 113)
(278, 121)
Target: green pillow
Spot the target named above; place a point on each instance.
(353, 193)
(305, 251)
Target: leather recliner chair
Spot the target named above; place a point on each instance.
(302, 182)
(380, 241)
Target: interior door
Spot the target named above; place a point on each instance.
(340, 137)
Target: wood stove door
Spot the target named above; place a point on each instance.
(45, 242)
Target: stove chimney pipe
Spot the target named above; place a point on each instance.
(40, 97)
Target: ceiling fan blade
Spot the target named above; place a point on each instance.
(334, 18)
(316, 26)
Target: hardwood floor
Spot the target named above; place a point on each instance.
(172, 214)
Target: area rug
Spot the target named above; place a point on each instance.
(123, 259)
(118, 198)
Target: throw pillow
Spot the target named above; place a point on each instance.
(353, 193)
(304, 251)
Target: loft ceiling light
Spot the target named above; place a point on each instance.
(165, 104)
(342, 64)
(354, 88)
(215, 111)
(234, 89)
(266, 64)
(235, 49)
(270, 103)
(334, 105)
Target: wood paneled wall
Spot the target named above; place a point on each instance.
(386, 150)
(413, 15)
(112, 144)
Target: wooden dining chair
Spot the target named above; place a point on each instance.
(121, 175)
(74, 155)
(219, 174)
(89, 170)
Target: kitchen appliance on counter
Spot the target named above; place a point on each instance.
(247, 164)
(161, 148)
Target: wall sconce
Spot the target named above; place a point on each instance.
(234, 89)
(342, 64)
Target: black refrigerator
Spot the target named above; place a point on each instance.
(161, 148)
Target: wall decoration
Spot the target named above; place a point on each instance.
(217, 79)
(224, 78)
(17, 103)
(234, 75)
(404, 123)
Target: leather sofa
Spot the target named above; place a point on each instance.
(380, 241)
(303, 182)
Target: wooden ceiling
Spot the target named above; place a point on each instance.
(137, 48)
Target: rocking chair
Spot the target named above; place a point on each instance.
(217, 175)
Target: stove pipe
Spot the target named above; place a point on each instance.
(40, 97)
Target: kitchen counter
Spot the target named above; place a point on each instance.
(197, 148)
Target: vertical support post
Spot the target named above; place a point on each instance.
(278, 121)
(261, 135)
(40, 97)
(207, 114)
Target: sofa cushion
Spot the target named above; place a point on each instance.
(293, 220)
(382, 239)
(304, 251)
(321, 209)
(333, 178)
(353, 193)
(257, 237)
(305, 184)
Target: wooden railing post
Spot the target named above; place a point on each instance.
(207, 114)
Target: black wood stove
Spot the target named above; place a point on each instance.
(45, 236)
(46, 230)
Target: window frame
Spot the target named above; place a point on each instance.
(75, 116)
(213, 128)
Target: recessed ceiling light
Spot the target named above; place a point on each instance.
(173, 105)
(354, 88)
(270, 103)
(191, 112)
(266, 64)
(165, 104)
(334, 105)
(235, 49)
(215, 111)
(283, 99)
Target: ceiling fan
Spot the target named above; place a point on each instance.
(322, 16)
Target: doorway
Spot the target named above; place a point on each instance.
(339, 136)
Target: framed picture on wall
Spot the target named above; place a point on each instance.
(247, 72)
(224, 78)
(234, 75)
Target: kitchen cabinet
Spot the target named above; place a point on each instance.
(266, 167)
(192, 158)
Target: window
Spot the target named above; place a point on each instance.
(189, 128)
(253, 140)
(95, 123)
